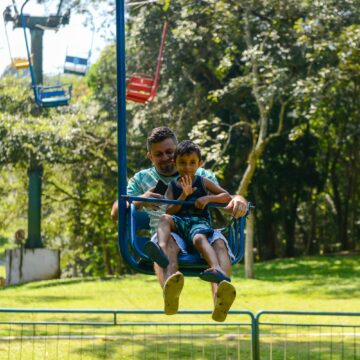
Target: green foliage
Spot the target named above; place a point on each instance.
(228, 65)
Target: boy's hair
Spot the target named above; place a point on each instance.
(187, 147)
(159, 134)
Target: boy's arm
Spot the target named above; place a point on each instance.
(187, 189)
(218, 195)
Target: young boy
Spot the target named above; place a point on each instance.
(193, 222)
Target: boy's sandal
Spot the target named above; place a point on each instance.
(225, 297)
(172, 290)
(155, 253)
(214, 276)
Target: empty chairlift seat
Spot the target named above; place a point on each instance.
(53, 96)
(140, 89)
(75, 65)
(20, 63)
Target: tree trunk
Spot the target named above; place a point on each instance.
(249, 256)
(242, 190)
(311, 241)
(289, 226)
(107, 258)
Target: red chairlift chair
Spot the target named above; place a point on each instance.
(142, 89)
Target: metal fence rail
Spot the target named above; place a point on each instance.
(307, 335)
(149, 334)
(106, 334)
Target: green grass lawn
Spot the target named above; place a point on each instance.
(313, 283)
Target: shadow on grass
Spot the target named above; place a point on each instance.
(336, 276)
(61, 282)
(303, 268)
(176, 346)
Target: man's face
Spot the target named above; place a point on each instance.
(161, 154)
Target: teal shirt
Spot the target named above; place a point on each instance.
(145, 179)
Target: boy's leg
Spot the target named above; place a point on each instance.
(202, 245)
(165, 226)
(158, 250)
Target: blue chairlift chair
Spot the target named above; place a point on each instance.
(138, 229)
(53, 96)
(79, 65)
(76, 65)
(45, 96)
(133, 223)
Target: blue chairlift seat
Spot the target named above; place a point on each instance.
(189, 264)
(53, 96)
(75, 65)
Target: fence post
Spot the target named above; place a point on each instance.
(255, 338)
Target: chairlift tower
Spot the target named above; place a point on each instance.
(36, 25)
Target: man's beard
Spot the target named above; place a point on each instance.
(167, 168)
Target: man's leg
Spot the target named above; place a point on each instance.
(170, 279)
(223, 258)
(171, 250)
(224, 293)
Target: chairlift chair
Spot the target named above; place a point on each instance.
(138, 223)
(142, 89)
(75, 65)
(79, 65)
(131, 222)
(45, 96)
(53, 96)
(20, 63)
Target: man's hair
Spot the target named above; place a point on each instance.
(187, 147)
(160, 134)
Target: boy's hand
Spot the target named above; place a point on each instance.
(201, 202)
(186, 185)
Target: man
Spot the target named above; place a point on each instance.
(161, 145)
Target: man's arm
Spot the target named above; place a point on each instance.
(135, 187)
(114, 211)
(237, 206)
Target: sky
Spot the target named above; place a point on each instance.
(73, 39)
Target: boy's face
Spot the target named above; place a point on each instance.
(187, 164)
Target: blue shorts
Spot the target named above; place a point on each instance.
(189, 226)
(183, 246)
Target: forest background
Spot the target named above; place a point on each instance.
(269, 89)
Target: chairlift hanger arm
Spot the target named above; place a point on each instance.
(15, 7)
(51, 22)
(7, 15)
(59, 8)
